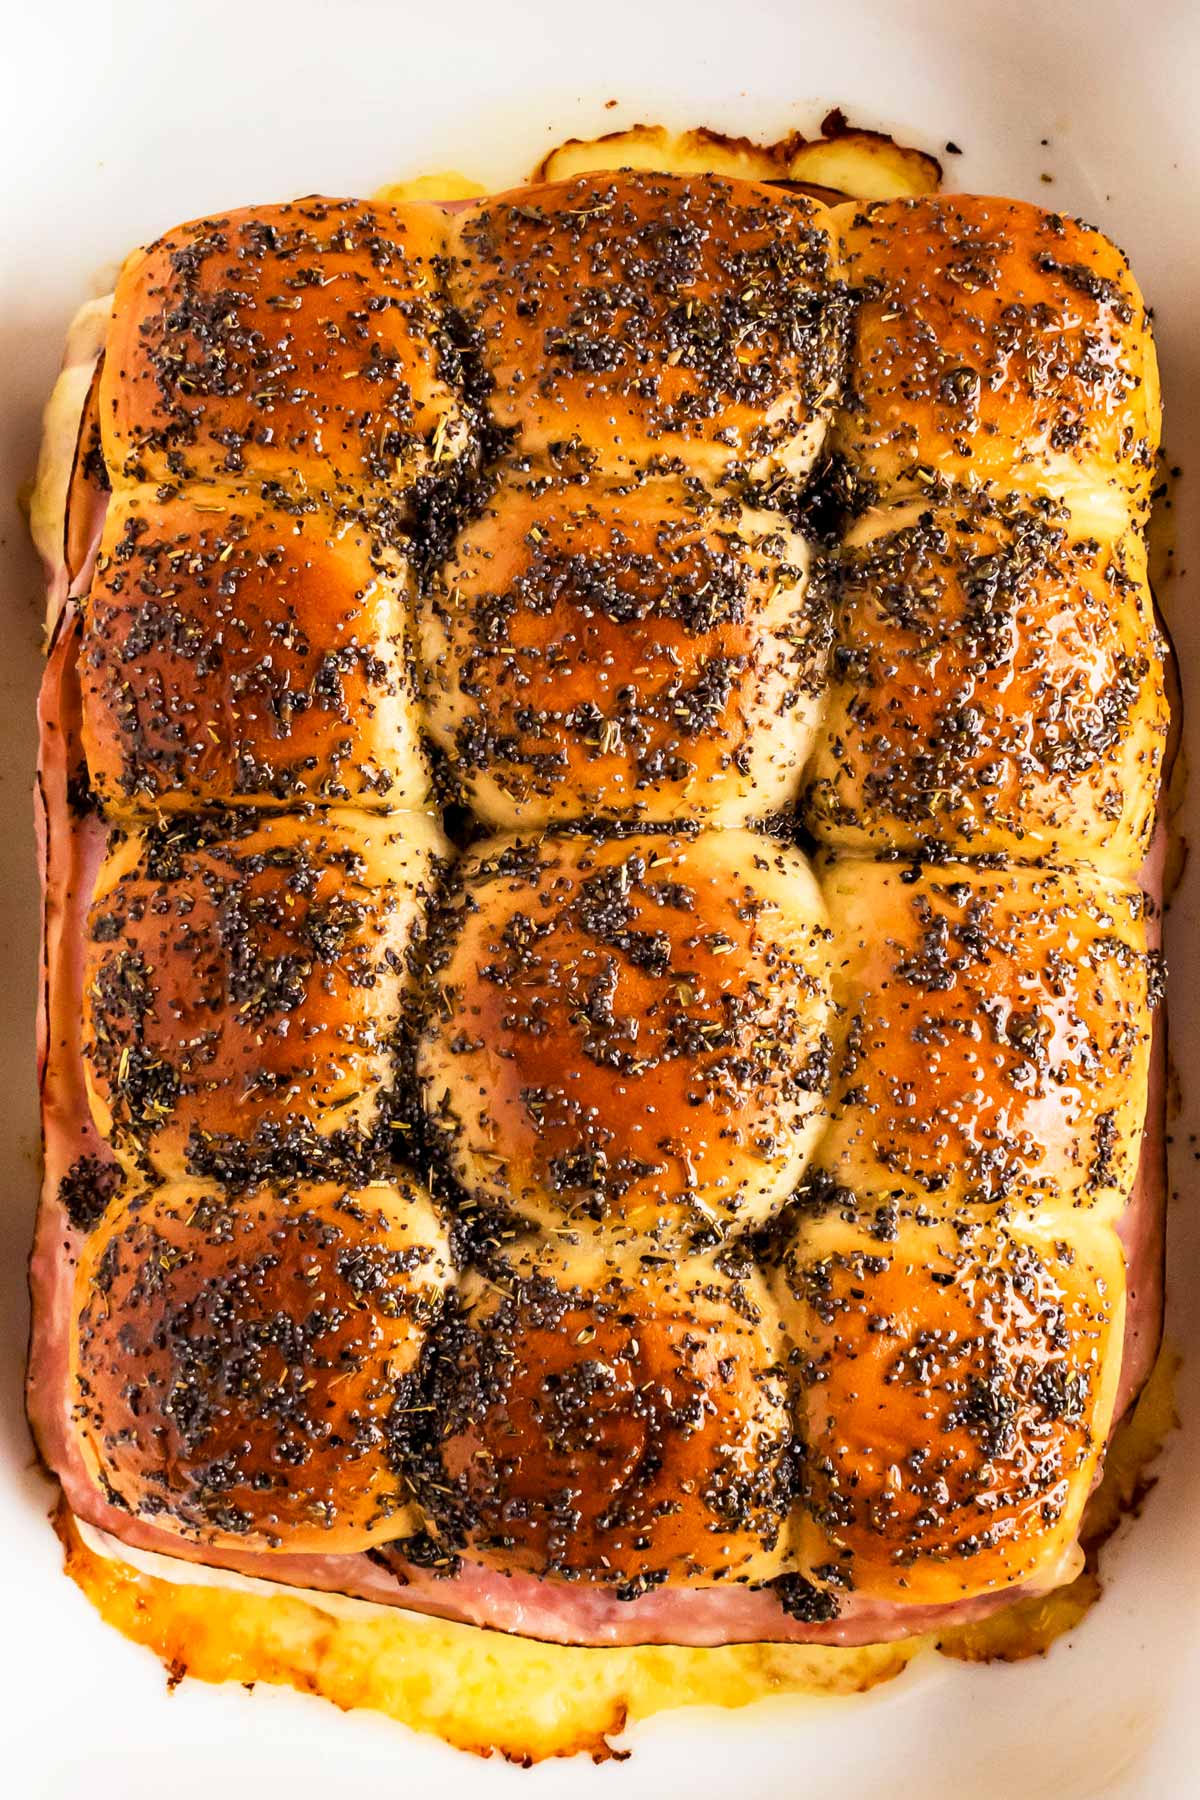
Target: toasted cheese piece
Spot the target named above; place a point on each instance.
(61, 428)
(493, 1692)
(864, 165)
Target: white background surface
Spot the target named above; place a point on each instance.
(117, 121)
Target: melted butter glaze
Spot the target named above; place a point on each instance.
(236, 1360)
(1000, 343)
(239, 650)
(994, 1037)
(631, 1032)
(244, 990)
(575, 422)
(956, 1382)
(609, 309)
(997, 685)
(639, 649)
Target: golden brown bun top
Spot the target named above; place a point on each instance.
(299, 344)
(619, 1422)
(238, 1360)
(997, 685)
(653, 316)
(630, 1032)
(595, 649)
(994, 1036)
(955, 1385)
(995, 342)
(244, 990)
(237, 650)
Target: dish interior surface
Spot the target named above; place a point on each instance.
(1107, 1711)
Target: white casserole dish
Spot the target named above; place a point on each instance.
(123, 120)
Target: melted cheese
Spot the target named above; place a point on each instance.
(480, 1690)
(60, 428)
(448, 186)
(861, 165)
(484, 1691)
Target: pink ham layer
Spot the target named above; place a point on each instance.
(558, 1612)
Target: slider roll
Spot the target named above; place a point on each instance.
(635, 650)
(612, 1419)
(246, 989)
(997, 686)
(955, 1384)
(654, 321)
(630, 1033)
(299, 351)
(1002, 346)
(786, 1199)
(239, 1363)
(240, 652)
(994, 1038)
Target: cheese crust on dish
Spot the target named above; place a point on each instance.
(707, 1197)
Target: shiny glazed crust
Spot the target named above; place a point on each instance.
(996, 685)
(1000, 344)
(631, 1033)
(612, 316)
(994, 1037)
(952, 1381)
(632, 1205)
(296, 345)
(624, 1415)
(236, 1357)
(638, 649)
(235, 650)
(245, 981)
